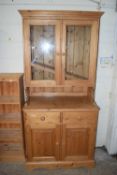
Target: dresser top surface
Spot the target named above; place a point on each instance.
(61, 103)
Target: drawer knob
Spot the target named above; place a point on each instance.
(42, 118)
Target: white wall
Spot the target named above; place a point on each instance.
(111, 138)
(105, 69)
(11, 46)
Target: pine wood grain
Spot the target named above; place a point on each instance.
(57, 131)
(60, 104)
(60, 117)
(75, 40)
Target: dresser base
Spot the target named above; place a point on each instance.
(60, 164)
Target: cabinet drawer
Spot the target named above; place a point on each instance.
(42, 119)
(80, 119)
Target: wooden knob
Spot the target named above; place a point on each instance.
(42, 118)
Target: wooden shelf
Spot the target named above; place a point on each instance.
(10, 122)
(60, 104)
(12, 156)
(10, 116)
(9, 100)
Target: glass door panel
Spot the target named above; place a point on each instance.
(43, 49)
(77, 52)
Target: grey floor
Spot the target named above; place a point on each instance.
(105, 165)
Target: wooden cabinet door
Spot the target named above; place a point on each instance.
(42, 52)
(79, 51)
(42, 135)
(78, 137)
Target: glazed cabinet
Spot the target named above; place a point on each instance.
(60, 50)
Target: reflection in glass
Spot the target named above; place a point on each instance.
(77, 52)
(42, 52)
(46, 47)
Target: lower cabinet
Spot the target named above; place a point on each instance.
(78, 135)
(60, 138)
(42, 134)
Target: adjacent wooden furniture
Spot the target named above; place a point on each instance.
(60, 117)
(11, 103)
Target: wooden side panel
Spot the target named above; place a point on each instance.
(21, 91)
(42, 135)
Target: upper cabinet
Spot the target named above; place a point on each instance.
(60, 48)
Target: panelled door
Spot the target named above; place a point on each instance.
(42, 136)
(78, 135)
